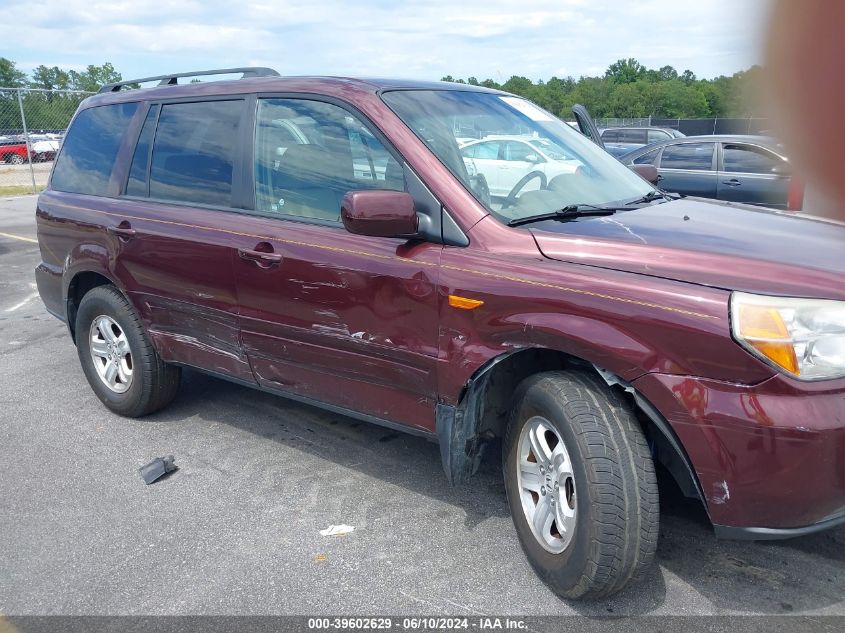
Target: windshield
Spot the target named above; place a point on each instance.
(516, 158)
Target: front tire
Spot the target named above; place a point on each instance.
(581, 485)
(117, 357)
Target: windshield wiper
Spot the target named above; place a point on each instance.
(653, 195)
(570, 211)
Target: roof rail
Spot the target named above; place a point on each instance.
(172, 80)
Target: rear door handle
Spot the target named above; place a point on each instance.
(733, 182)
(262, 258)
(659, 177)
(123, 231)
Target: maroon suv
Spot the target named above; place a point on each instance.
(328, 240)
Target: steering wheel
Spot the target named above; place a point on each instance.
(512, 196)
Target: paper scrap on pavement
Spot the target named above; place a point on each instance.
(337, 530)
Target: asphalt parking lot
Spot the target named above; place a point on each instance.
(236, 529)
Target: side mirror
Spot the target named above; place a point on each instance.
(379, 213)
(532, 158)
(646, 172)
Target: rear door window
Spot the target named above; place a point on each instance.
(194, 152)
(688, 156)
(748, 159)
(90, 149)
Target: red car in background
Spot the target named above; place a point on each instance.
(13, 152)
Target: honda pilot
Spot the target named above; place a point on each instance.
(327, 240)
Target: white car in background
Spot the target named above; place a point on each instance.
(504, 160)
(44, 147)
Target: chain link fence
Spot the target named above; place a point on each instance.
(32, 126)
(693, 127)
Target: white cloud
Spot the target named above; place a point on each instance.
(422, 39)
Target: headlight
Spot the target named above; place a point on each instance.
(803, 337)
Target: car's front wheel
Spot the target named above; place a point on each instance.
(581, 485)
(117, 357)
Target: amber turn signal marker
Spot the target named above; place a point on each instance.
(464, 303)
(764, 330)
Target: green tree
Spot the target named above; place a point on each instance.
(53, 78)
(94, 77)
(625, 71)
(518, 85)
(667, 73)
(10, 76)
(687, 76)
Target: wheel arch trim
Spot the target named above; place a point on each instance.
(462, 436)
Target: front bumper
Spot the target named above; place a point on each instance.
(774, 534)
(770, 458)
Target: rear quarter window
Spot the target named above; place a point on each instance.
(90, 149)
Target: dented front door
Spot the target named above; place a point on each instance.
(340, 318)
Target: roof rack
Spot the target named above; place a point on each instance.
(172, 80)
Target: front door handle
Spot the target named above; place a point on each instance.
(124, 231)
(261, 257)
(659, 177)
(733, 182)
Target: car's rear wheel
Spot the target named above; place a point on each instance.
(581, 485)
(15, 159)
(117, 357)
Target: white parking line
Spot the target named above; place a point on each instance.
(19, 237)
(22, 303)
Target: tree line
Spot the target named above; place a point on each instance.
(630, 90)
(626, 90)
(47, 110)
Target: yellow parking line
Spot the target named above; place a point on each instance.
(19, 237)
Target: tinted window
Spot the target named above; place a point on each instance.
(657, 135)
(333, 153)
(688, 156)
(610, 135)
(137, 185)
(648, 158)
(632, 136)
(90, 149)
(748, 159)
(193, 152)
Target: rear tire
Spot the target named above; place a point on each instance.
(606, 499)
(117, 357)
(15, 159)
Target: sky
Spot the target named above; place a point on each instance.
(423, 39)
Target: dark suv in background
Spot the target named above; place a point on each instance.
(619, 140)
(322, 238)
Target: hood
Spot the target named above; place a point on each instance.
(718, 244)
